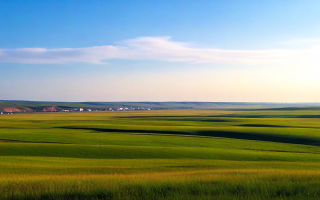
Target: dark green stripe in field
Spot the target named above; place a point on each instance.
(138, 152)
(219, 133)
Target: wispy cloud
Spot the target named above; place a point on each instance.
(163, 49)
(303, 41)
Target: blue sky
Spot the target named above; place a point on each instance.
(160, 50)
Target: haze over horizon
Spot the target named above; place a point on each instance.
(215, 51)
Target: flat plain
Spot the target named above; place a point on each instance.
(170, 154)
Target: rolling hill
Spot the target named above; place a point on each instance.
(45, 106)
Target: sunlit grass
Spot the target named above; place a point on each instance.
(161, 155)
(226, 184)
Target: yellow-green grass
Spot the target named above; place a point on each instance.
(53, 178)
(192, 184)
(177, 154)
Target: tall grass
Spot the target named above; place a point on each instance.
(204, 184)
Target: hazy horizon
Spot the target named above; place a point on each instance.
(249, 102)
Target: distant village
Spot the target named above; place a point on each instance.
(108, 109)
(57, 109)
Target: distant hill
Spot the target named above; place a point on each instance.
(42, 106)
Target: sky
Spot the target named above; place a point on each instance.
(161, 50)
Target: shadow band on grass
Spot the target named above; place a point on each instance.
(215, 133)
(267, 126)
(269, 116)
(26, 141)
(179, 118)
(218, 117)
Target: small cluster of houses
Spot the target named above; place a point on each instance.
(77, 110)
(108, 109)
(126, 109)
(2, 113)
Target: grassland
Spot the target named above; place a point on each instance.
(177, 154)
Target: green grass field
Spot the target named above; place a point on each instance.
(176, 154)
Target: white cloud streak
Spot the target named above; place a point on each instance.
(163, 49)
(303, 41)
